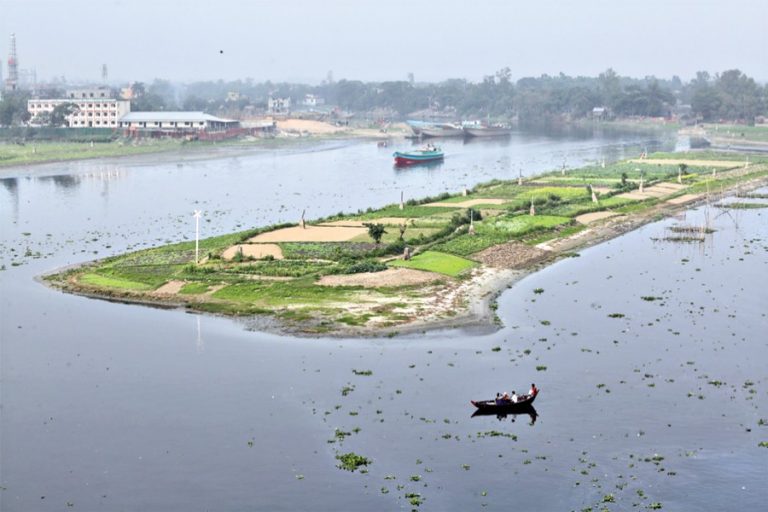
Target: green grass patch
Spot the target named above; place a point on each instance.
(439, 262)
(194, 288)
(113, 282)
(394, 210)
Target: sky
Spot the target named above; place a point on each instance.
(302, 40)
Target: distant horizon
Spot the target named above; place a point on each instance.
(117, 82)
(301, 41)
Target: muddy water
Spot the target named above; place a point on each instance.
(114, 407)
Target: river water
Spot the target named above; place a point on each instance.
(118, 407)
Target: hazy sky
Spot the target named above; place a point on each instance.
(301, 40)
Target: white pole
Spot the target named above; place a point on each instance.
(197, 236)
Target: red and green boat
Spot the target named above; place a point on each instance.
(418, 156)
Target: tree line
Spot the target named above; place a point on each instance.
(731, 96)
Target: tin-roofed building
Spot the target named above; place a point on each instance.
(178, 122)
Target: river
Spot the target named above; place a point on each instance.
(108, 406)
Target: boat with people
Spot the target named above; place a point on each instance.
(427, 154)
(503, 404)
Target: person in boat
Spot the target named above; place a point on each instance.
(505, 398)
(533, 389)
(513, 398)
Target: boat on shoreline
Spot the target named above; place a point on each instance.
(418, 156)
(504, 406)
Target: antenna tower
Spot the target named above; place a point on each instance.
(12, 82)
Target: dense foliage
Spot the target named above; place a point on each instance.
(730, 95)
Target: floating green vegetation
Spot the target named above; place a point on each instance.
(616, 315)
(414, 498)
(763, 444)
(496, 433)
(681, 239)
(742, 206)
(538, 291)
(352, 461)
(362, 372)
(541, 368)
(691, 229)
(651, 298)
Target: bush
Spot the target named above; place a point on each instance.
(362, 266)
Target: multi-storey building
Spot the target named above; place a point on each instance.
(88, 113)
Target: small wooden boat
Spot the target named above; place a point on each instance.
(418, 156)
(493, 406)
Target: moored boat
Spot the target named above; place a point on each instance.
(418, 156)
(487, 131)
(523, 401)
(442, 130)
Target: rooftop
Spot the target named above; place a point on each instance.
(172, 117)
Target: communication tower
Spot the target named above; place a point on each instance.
(12, 82)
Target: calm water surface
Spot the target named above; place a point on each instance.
(114, 407)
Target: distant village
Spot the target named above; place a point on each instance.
(216, 110)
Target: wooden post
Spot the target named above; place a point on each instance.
(301, 222)
(533, 209)
(402, 204)
(594, 196)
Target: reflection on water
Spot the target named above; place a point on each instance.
(528, 410)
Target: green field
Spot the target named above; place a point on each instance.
(439, 262)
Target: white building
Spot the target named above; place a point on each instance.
(88, 113)
(278, 105)
(175, 122)
(89, 93)
(310, 100)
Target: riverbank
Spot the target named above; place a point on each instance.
(331, 278)
(293, 132)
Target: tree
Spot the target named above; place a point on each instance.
(13, 108)
(60, 113)
(375, 231)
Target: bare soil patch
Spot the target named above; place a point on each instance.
(658, 190)
(593, 217)
(310, 234)
(513, 255)
(257, 251)
(307, 125)
(686, 198)
(169, 288)
(388, 278)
